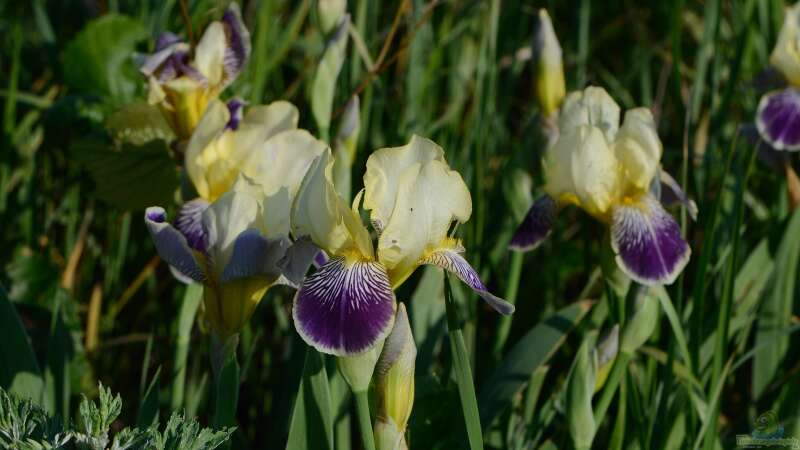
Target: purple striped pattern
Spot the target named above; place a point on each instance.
(451, 260)
(345, 307)
(778, 119)
(648, 242)
(190, 223)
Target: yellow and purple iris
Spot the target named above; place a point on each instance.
(182, 81)
(413, 199)
(778, 114)
(607, 170)
(238, 245)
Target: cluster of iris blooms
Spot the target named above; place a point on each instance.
(266, 208)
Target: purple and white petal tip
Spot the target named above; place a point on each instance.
(536, 226)
(450, 259)
(345, 308)
(171, 244)
(778, 119)
(190, 223)
(648, 242)
(238, 49)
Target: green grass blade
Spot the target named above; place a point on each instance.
(186, 316)
(312, 423)
(776, 311)
(463, 372)
(530, 353)
(148, 405)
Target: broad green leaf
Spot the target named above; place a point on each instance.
(133, 177)
(776, 311)
(139, 123)
(99, 61)
(312, 423)
(19, 371)
(532, 351)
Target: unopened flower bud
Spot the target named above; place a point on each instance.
(641, 326)
(330, 13)
(357, 370)
(549, 69)
(395, 388)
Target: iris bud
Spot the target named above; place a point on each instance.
(395, 384)
(357, 370)
(549, 69)
(580, 388)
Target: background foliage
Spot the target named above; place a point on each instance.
(84, 298)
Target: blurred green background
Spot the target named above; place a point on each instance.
(79, 268)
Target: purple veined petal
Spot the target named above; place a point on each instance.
(536, 226)
(778, 119)
(238, 49)
(648, 242)
(180, 62)
(775, 159)
(190, 223)
(672, 193)
(345, 307)
(298, 259)
(449, 258)
(236, 110)
(254, 255)
(171, 244)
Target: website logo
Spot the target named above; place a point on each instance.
(767, 432)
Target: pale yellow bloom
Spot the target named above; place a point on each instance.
(596, 164)
(786, 55)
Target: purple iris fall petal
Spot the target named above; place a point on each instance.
(190, 223)
(536, 226)
(345, 307)
(238, 49)
(451, 260)
(648, 242)
(778, 119)
(171, 244)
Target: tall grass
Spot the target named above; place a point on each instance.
(84, 300)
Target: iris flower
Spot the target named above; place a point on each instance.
(239, 245)
(413, 199)
(778, 115)
(182, 81)
(608, 170)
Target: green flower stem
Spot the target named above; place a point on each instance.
(364, 420)
(623, 358)
(461, 367)
(226, 381)
(614, 378)
(189, 305)
(512, 288)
